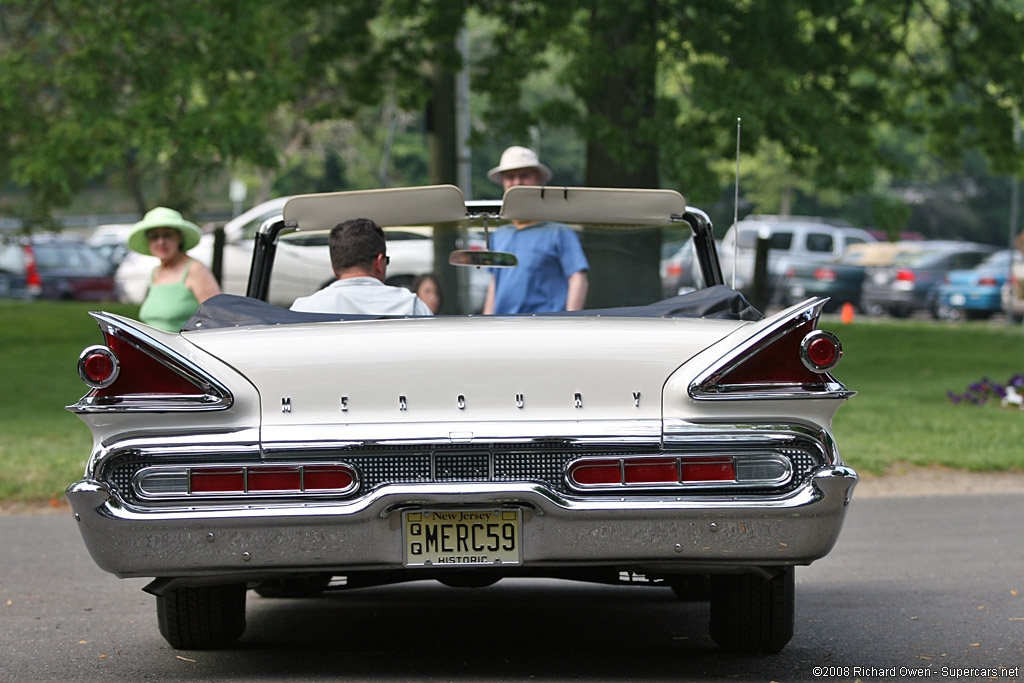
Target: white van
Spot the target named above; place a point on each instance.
(792, 239)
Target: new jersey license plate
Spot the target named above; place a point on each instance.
(459, 538)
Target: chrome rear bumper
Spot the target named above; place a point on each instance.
(728, 531)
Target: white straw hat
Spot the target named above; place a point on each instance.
(519, 157)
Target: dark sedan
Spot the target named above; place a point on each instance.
(912, 282)
(62, 268)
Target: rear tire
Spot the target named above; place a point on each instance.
(751, 614)
(202, 617)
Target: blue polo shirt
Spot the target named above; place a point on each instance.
(548, 254)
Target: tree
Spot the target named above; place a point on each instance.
(183, 88)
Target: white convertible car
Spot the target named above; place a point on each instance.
(686, 443)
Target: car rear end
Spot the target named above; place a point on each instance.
(671, 448)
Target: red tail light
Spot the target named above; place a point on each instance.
(33, 282)
(826, 274)
(674, 269)
(244, 480)
(904, 275)
(988, 282)
(790, 273)
(755, 469)
(98, 367)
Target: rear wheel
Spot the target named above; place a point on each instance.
(751, 614)
(202, 617)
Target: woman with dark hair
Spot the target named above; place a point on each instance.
(429, 292)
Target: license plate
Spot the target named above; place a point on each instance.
(957, 300)
(459, 538)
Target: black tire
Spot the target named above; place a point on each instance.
(751, 614)
(300, 587)
(202, 618)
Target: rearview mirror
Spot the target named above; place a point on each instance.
(490, 259)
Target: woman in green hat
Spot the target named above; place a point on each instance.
(180, 283)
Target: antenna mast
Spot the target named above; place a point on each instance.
(736, 207)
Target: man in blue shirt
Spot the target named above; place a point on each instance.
(552, 270)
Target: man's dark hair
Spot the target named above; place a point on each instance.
(355, 242)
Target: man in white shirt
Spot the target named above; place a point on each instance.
(360, 261)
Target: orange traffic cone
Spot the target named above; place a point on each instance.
(847, 314)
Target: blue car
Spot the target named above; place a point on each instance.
(975, 293)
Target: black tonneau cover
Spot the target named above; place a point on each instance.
(230, 310)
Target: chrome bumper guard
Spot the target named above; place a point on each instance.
(557, 531)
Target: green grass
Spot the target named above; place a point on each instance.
(902, 371)
(901, 415)
(43, 447)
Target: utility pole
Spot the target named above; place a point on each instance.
(1014, 215)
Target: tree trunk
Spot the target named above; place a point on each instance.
(619, 92)
(443, 170)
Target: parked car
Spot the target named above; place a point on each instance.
(111, 241)
(685, 444)
(793, 240)
(303, 264)
(678, 267)
(976, 293)
(840, 280)
(54, 268)
(912, 282)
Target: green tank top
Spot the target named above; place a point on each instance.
(169, 306)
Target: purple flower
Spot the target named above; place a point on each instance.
(953, 397)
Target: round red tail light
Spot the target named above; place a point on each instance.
(820, 351)
(98, 366)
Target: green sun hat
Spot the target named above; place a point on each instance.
(162, 217)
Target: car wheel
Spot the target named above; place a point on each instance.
(752, 614)
(299, 587)
(202, 617)
(947, 313)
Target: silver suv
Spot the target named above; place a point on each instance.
(792, 240)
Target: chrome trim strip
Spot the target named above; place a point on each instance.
(633, 433)
(216, 395)
(680, 433)
(707, 384)
(240, 443)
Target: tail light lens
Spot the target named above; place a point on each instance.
(988, 282)
(688, 471)
(244, 480)
(825, 274)
(904, 275)
(98, 367)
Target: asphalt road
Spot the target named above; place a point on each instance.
(916, 583)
